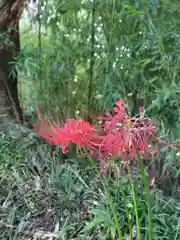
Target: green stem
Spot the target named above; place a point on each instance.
(92, 61)
(135, 204)
(148, 198)
(110, 202)
(113, 210)
(127, 214)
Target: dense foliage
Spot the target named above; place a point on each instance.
(91, 53)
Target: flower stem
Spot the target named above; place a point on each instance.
(129, 219)
(110, 202)
(135, 204)
(148, 198)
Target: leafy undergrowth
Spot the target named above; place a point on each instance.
(46, 195)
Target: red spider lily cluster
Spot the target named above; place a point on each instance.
(119, 135)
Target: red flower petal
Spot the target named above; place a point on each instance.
(142, 108)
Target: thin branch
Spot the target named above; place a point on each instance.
(92, 61)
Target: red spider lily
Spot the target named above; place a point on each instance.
(45, 130)
(120, 135)
(74, 131)
(115, 120)
(125, 136)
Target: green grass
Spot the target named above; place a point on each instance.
(45, 194)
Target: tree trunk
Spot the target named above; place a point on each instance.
(10, 12)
